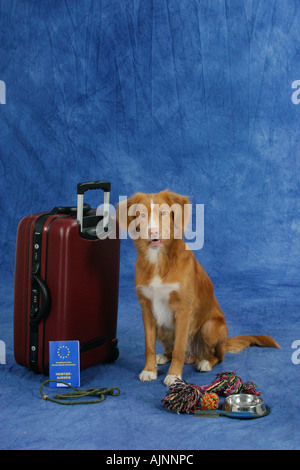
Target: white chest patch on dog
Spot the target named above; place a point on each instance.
(159, 294)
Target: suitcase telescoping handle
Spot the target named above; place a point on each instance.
(82, 188)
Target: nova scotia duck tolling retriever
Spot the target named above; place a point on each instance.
(176, 295)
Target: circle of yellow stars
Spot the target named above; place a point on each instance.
(63, 352)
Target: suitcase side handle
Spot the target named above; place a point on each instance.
(69, 210)
(82, 188)
(45, 301)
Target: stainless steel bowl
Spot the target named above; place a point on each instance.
(243, 402)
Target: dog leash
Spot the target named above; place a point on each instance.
(90, 392)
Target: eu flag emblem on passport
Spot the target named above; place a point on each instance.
(64, 363)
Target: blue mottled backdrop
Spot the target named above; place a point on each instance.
(198, 96)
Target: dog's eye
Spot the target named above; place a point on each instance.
(143, 215)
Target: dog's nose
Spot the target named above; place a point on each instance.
(153, 233)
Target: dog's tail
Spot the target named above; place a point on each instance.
(236, 344)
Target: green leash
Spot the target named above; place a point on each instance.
(90, 392)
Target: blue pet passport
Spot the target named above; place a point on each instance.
(64, 363)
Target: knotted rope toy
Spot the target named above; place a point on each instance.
(209, 401)
(94, 392)
(183, 397)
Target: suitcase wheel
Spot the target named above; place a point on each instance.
(114, 352)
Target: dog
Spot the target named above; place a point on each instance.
(176, 295)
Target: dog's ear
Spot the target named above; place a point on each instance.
(123, 211)
(182, 203)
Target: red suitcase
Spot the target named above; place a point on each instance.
(66, 283)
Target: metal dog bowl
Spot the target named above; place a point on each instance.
(241, 406)
(244, 403)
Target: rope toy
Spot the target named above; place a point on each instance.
(95, 392)
(183, 397)
(209, 401)
(226, 383)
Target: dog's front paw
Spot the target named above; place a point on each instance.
(170, 379)
(204, 366)
(147, 376)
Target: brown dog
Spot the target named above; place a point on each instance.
(176, 295)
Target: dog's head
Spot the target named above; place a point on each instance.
(154, 220)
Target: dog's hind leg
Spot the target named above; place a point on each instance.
(214, 337)
(166, 338)
(162, 359)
